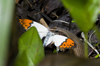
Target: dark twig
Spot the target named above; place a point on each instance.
(44, 15)
(25, 11)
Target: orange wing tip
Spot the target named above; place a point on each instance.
(20, 20)
(67, 44)
(25, 22)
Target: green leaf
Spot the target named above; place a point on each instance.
(22, 59)
(97, 44)
(97, 56)
(83, 11)
(31, 45)
(73, 21)
(55, 51)
(6, 16)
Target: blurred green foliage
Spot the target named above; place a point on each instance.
(73, 21)
(31, 50)
(6, 13)
(84, 12)
(97, 56)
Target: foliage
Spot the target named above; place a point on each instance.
(84, 12)
(97, 44)
(55, 51)
(30, 47)
(73, 21)
(97, 56)
(6, 13)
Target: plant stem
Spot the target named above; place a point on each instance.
(86, 47)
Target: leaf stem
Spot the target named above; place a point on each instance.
(86, 47)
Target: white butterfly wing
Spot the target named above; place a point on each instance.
(42, 35)
(59, 39)
(49, 40)
(40, 28)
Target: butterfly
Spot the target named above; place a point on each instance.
(26, 23)
(60, 41)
